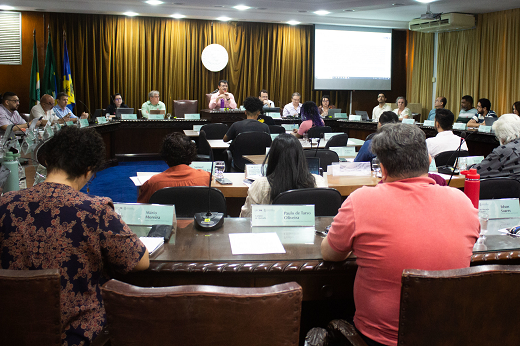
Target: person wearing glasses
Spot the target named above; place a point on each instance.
(117, 102)
(9, 113)
(44, 111)
(152, 104)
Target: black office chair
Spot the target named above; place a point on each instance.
(500, 187)
(276, 129)
(326, 201)
(189, 200)
(448, 157)
(204, 151)
(246, 143)
(337, 141)
(327, 156)
(318, 131)
(215, 131)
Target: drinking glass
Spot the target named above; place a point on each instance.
(220, 167)
(484, 219)
(376, 167)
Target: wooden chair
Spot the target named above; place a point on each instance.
(182, 107)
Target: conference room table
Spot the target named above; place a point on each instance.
(306, 144)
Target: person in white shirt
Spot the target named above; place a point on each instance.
(293, 109)
(44, 111)
(402, 111)
(445, 139)
(264, 97)
(381, 107)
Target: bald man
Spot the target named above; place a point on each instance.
(44, 110)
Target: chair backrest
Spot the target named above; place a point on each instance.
(181, 107)
(327, 156)
(276, 129)
(203, 315)
(204, 151)
(326, 201)
(503, 187)
(337, 141)
(215, 131)
(189, 200)
(249, 143)
(30, 307)
(448, 157)
(318, 131)
(470, 306)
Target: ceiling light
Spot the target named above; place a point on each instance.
(154, 2)
(6, 7)
(425, 1)
(349, 10)
(241, 7)
(131, 14)
(293, 22)
(224, 19)
(178, 16)
(321, 12)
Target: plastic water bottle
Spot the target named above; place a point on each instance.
(21, 173)
(472, 186)
(10, 162)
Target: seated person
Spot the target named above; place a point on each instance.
(503, 160)
(467, 112)
(516, 108)
(152, 104)
(445, 139)
(54, 225)
(44, 110)
(292, 109)
(310, 118)
(325, 106)
(402, 111)
(9, 113)
(253, 106)
(386, 243)
(178, 151)
(63, 112)
(440, 103)
(264, 97)
(365, 154)
(117, 102)
(286, 170)
(222, 94)
(484, 110)
(381, 107)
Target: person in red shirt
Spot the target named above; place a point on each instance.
(178, 151)
(407, 222)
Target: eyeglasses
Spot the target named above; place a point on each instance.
(15, 101)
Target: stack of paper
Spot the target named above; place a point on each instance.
(152, 243)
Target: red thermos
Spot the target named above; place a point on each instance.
(472, 186)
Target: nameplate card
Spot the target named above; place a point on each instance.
(129, 116)
(329, 135)
(47, 131)
(83, 123)
(290, 127)
(429, 123)
(57, 127)
(344, 151)
(350, 168)
(253, 171)
(472, 160)
(354, 117)
(499, 208)
(282, 215)
(274, 135)
(484, 129)
(459, 126)
(146, 214)
(101, 120)
(409, 121)
(204, 165)
(274, 115)
(342, 116)
(194, 116)
(156, 117)
(69, 123)
(433, 167)
(196, 128)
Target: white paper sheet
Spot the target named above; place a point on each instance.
(255, 243)
(152, 243)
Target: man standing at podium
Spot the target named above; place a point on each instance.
(222, 94)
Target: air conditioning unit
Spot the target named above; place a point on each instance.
(444, 23)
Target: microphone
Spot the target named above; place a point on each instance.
(317, 147)
(209, 221)
(214, 91)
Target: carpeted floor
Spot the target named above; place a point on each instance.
(114, 182)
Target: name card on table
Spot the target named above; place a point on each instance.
(274, 135)
(146, 214)
(290, 127)
(156, 116)
(500, 208)
(429, 123)
(101, 120)
(194, 116)
(274, 115)
(83, 123)
(485, 129)
(344, 151)
(69, 123)
(129, 116)
(47, 131)
(329, 135)
(282, 215)
(204, 165)
(354, 117)
(342, 116)
(433, 167)
(471, 160)
(459, 126)
(253, 171)
(409, 121)
(196, 128)
(350, 168)
(57, 127)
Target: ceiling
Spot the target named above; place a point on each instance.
(378, 13)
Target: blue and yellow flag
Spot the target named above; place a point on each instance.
(34, 83)
(67, 78)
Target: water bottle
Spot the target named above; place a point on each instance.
(12, 182)
(472, 186)
(21, 173)
(222, 103)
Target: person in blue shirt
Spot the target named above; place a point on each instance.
(62, 111)
(364, 154)
(440, 102)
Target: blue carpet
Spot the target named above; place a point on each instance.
(115, 183)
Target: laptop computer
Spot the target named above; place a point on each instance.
(98, 113)
(364, 115)
(120, 111)
(489, 120)
(332, 112)
(314, 165)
